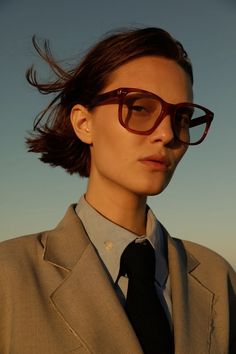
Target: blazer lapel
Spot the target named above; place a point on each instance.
(192, 302)
(85, 299)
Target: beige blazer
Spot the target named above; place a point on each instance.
(56, 298)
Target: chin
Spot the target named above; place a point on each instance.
(152, 190)
(155, 185)
(155, 192)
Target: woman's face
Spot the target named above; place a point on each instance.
(140, 164)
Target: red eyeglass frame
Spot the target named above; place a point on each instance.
(167, 108)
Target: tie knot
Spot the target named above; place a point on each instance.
(138, 261)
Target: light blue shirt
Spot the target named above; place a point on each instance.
(111, 239)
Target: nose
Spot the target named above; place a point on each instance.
(163, 131)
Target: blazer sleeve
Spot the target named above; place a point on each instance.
(6, 310)
(232, 310)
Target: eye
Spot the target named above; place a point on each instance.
(183, 117)
(138, 108)
(140, 105)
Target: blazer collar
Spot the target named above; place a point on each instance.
(64, 245)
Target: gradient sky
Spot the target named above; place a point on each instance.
(199, 204)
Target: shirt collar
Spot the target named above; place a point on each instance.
(111, 239)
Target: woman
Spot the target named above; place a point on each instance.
(124, 118)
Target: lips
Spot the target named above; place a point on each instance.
(156, 162)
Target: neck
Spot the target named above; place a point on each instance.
(119, 205)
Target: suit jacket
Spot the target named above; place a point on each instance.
(56, 297)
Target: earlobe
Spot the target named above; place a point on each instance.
(80, 120)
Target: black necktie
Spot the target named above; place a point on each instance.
(143, 306)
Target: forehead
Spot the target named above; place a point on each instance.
(159, 75)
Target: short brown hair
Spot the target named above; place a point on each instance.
(54, 138)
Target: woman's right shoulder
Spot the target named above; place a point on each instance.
(16, 248)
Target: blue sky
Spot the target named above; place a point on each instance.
(200, 202)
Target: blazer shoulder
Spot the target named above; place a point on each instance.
(22, 247)
(205, 254)
(210, 262)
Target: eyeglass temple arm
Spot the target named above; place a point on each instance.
(104, 98)
(198, 121)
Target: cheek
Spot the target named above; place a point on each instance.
(179, 153)
(109, 141)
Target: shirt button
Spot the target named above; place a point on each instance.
(108, 245)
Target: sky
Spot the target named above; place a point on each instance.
(199, 204)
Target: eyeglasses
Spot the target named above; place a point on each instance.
(140, 112)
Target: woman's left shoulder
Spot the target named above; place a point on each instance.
(209, 259)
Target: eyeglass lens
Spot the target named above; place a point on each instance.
(140, 112)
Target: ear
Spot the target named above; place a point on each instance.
(80, 120)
